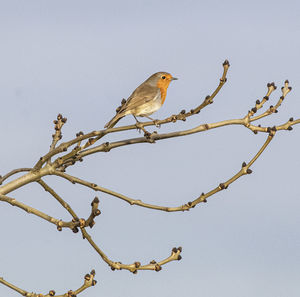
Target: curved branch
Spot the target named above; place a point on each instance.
(89, 281)
(59, 223)
(6, 176)
(134, 267)
(244, 170)
(99, 134)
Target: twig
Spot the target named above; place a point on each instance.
(6, 176)
(59, 223)
(89, 281)
(245, 170)
(134, 267)
(99, 134)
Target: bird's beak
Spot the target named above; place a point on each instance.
(174, 78)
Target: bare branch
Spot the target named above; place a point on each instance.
(6, 176)
(245, 170)
(134, 267)
(59, 223)
(89, 281)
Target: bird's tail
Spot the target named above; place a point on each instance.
(114, 121)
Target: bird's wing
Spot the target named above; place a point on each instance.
(139, 97)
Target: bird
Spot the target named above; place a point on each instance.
(145, 99)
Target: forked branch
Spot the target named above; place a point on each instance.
(61, 156)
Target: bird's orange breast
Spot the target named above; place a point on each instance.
(163, 86)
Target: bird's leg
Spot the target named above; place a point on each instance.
(154, 121)
(140, 127)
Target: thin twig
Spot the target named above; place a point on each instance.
(59, 223)
(89, 281)
(245, 170)
(7, 175)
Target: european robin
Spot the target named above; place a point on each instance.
(145, 99)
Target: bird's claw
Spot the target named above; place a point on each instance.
(156, 123)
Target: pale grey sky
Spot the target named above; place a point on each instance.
(80, 58)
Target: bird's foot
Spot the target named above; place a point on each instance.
(156, 123)
(140, 127)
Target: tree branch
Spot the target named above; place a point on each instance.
(6, 176)
(245, 170)
(89, 281)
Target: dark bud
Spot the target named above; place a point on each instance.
(59, 116)
(134, 271)
(286, 81)
(254, 109)
(123, 101)
(113, 268)
(290, 88)
(94, 282)
(59, 228)
(281, 97)
(153, 262)
(249, 171)
(290, 128)
(204, 200)
(93, 272)
(64, 120)
(180, 249)
(65, 149)
(226, 63)
(183, 111)
(222, 186)
(87, 277)
(274, 128)
(174, 250)
(276, 111)
(137, 264)
(96, 200)
(118, 109)
(75, 230)
(269, 129)
(179, 257)
(189, 203)
(192, 111)
(207, 97)
(52, 293)
(257, 102)
(266, 98)
(259, 125)
(157, 267)
(97, 212)
(91, 224)
(291, 119)
(244, 164)
(255, 132)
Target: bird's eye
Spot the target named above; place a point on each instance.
(163, 77)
